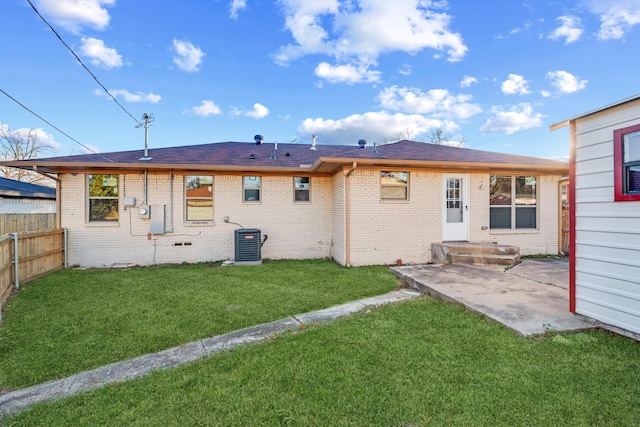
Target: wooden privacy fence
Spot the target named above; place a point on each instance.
(22, 223)
(27, 256)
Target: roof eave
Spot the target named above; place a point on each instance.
(321, 165)
(429, 164)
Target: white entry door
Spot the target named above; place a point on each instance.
(456, 208)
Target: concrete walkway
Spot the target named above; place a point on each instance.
(18, 400)
(530, 298)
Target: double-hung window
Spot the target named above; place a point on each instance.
(301, 189)
(394, 185)
(251, 188)
(513, 202)
(626, 155)
(198, 197)
(103, 197)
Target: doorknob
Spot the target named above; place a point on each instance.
(466, 207)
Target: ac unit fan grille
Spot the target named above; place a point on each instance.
(248, 244)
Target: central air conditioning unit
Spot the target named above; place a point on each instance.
(248, 245)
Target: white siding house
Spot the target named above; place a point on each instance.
(17, 197)
(605, 215)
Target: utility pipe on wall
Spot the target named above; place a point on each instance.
(348, 215)
(171, 199)
(145, 186)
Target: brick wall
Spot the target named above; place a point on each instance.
(295, 230)
(381, 231)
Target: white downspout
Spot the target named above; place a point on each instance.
(347, 210)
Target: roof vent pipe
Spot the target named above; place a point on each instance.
(362, 143)
(313, 143)
(258, 139)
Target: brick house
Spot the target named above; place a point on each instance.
(356, 204)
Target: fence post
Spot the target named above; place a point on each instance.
(16, 267)
(64, 248)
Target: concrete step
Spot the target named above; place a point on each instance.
(485, 259)
(474, 253)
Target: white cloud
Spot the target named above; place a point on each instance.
(360, 33)
(73, 15)
(405, 70)
(515, 85)
(437, 102)
(468, 81)
(206, 108)
(527, 25)
(259, 111)
(518, 118)
(188, 57)
(372, 126)
(346, 73)
(566, 82)
(571, 29)
(100, 54)
(89, 149)
(616, 16)
(43, 138)
(237, 5)
(151, 98)
(545, 93)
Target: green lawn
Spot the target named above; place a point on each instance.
(423, 362)
(74, 320)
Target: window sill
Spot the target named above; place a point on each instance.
(515, 231)
(394, 201)
(622, 197)
(200, 224)
(103, 224)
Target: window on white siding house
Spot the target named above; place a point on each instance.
(631, 162)
(251, 188)
(513, 202)
(394, 185)
(626, 163)
(103, 197)
(198, 190)
(301, 189)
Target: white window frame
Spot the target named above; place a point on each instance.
(115, 198)
(300, 187)
(391, 174)
(514, 205)
(187, 199)
(249, 179)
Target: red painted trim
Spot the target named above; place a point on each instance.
(572, 216)
(619, 195)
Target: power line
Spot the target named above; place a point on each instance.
(82, 63)
(56, 128)
(501, 138)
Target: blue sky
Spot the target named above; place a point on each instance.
(492, 76)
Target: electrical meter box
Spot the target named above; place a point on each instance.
(157, 215)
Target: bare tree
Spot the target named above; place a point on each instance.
(437, 135)
(22, 145)
(405, 134)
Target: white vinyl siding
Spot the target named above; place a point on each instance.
(607, 233)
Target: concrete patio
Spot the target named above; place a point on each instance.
(531, 298)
